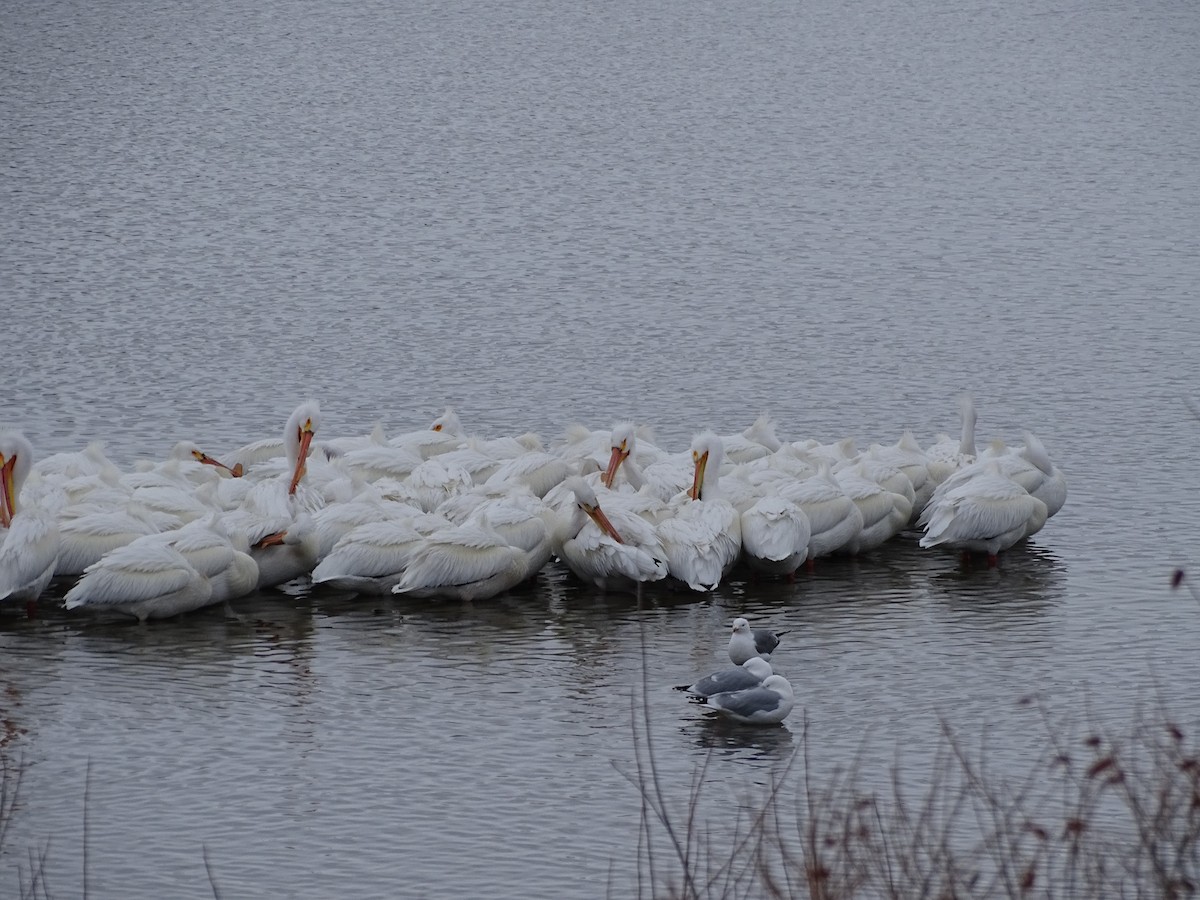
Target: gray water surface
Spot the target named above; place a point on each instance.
(545, 213)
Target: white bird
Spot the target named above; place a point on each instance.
(946, 456)
(643, 468)
(29, 539)
(749, 674)
(445, 434)
(834, 518)
(162, 575)
(746, 642)
(884, 512)
(88, 537)
(275, 515)
(469, 561)
(775, 536)
(609, 555)
(371, 558)
(755, 442)
(502, 543)
(987, 513)
(703, 538)
(767, 704)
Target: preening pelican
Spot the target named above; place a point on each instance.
(29, 539)
(768, 704)
(609, 554)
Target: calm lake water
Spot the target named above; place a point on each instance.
(544, 213)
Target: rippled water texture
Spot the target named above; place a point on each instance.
(543, 213)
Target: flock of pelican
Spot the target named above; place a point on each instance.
(439, 513)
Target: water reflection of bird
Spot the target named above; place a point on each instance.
(29, 539)
(767, 704)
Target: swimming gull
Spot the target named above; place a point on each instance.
(749, 674)
(767, 704)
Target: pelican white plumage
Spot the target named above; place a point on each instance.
(503, 541)
(445, 434)
(767, 704)
(275, 515)
(775, 536)
(87, 537)
(703, 536)
(620, 552)
(749, 674)
(746, 642)
(468, 561)
(755, 442)
(884, 512)
(834, 519)
(371, 558)
(535, 469)
(167, 574)
(986, 513)
(29, 538)
(946, 456)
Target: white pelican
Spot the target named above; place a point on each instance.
(987, 513)
(470, 561)
(275, 516)
(372, 557)
(749, 674)
(906, 455)
(1051, 486)
(87, 538)
(89, 461)
(755, 442)
(884, 512)
(703, 538)
(775, 536)
(767, 704)
(445, 434)
(833, 517)
(606, 554)
(746, 642)
(535, 469)
(29, 540)
(947, 456)
(162, 575)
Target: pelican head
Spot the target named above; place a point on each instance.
(297, 438)
(623, 443)
(187, 450)
(447, 422)
(16, 458)
(585, 498)
(708, 452)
